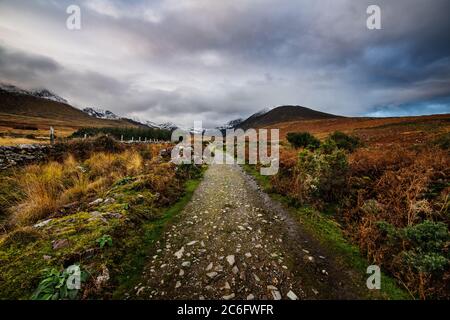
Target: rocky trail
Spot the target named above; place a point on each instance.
(232, 241)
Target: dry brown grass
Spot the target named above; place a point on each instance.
(12, 141)
(50, 186)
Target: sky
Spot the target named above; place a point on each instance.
(215, 61)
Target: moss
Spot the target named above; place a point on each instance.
(26, 252)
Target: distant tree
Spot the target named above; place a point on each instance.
(126, 133)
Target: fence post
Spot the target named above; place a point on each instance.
(52, 135)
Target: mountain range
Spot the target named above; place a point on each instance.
(43, 106)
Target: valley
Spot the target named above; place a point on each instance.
(141, 227)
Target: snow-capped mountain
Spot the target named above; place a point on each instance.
(168, 126)
(231, 124)
(39, 93)
(101, 114)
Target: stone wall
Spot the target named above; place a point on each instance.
(23, 154)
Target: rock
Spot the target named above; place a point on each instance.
(315, 291)
(58, 244)
(250, 297)
(112, 215)
(212, 274)
(179, 253)
(235, 270)
(291, 295)
(186, 264)
(177, 285)
(96, 202)
(226, 286)
(192, 243)
(228, 297)
(46, 257)
(276, 295)
(209, 267)
(256, 278)
(181, 273)
(248, 255)
(230, 260)
(42, 224)
(140, 290)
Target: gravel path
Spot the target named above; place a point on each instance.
(233, 242)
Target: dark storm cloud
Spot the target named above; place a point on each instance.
(217, 60)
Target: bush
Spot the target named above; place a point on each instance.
(324, 176)
(443, 141)
(303, 140)
(344, 141)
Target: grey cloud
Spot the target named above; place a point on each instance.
(216, 60)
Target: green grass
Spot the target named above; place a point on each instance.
(22, 251)
(329, 233)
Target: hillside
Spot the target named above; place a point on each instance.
(18, 110)
(284, 114)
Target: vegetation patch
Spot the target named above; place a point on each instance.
(101, 214)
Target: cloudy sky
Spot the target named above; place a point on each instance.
(213, 60)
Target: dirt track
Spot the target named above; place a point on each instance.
(233, 242)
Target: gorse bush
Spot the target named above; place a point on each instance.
(312, 176)
(344, 141)
(303, 140)
(324, 175)
(443, 141)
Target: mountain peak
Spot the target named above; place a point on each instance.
(39, 93)
(100, 113)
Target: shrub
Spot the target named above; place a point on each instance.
(443, 141)
(303, 140)
(344, 141)
(324, 176)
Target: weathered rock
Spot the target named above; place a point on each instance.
(229, 297)
(291, 295)
(179, 253)
(42, 224)
(230, 260)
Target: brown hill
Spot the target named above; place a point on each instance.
(284, 114)
(21, 111)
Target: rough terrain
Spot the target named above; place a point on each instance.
(233, 242)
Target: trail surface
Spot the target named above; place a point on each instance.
(232, 241)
